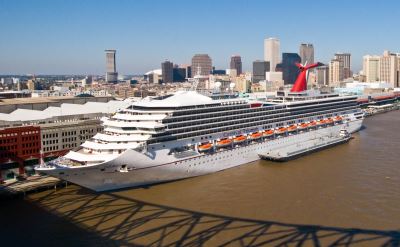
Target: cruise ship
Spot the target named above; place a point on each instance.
(188, 134)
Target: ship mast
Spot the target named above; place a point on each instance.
(196, 79)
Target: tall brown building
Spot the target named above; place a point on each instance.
(345, 58)
(167, 69)
(323, 75)
(236, 63)
(201, 63)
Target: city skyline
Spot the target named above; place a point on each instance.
(46, 37)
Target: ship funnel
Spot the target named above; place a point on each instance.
(301, 81)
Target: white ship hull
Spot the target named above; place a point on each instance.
(159, 166)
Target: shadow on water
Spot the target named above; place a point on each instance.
(115, 219)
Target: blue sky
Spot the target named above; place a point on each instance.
(69, 37)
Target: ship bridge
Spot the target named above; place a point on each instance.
(287, 96)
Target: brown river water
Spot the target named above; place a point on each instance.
(348, 195)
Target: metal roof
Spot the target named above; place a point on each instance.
(65, 110)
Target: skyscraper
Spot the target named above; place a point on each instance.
(398, 69)
(345, 58)
(236, 63)
(188, 71)
(201, 63)
(289, 70)
(167, 70)
(179, 74)
(371, 68)
(323, 75)
(272, 52)
(388, 68)
(306, 53)
(111, 68)
(259, 70)
(336, 71)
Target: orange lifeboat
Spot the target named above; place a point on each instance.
(281, 130)
(337, 119)
(313, 123)
(255, 135)
(224, 143)
(303, 126)
(205, 147)
(321, 122)
(292, 128)
(239, 139)
(268, 133)
(329, 121)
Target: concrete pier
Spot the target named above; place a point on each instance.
(33, 183)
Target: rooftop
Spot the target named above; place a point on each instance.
(17, 101)
(65, 110)
(180, 98)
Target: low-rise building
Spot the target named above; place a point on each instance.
(18, 146)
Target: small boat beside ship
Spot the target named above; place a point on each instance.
(298, 149)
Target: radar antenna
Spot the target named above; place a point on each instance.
(196, 79)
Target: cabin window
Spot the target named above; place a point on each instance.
(129, 128)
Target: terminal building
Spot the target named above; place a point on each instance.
(28, 137)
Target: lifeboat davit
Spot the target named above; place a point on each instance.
(239, 139)
(224, 143)
(255, 135)
(205, 147)
(303, 126)
(268, 133)
(292, 128)
(281, 130)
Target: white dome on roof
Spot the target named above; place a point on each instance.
(180, 98)
(155, 71)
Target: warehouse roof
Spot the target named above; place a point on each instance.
(65, 110)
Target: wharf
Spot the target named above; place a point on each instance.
(33, 183)
(296, 150)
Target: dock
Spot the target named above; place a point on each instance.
(296, 150)
(23, 187)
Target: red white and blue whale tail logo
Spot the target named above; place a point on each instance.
(301, 81)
